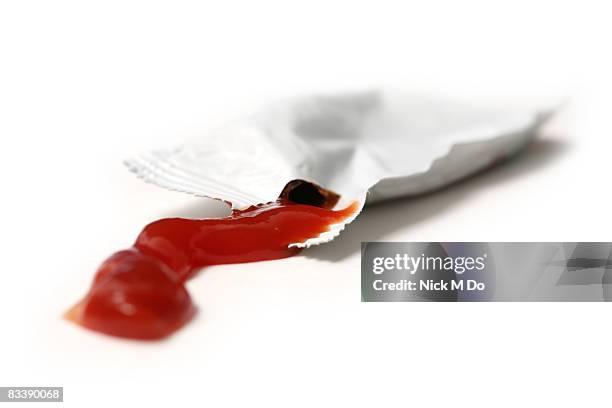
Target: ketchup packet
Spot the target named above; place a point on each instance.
(370, 146)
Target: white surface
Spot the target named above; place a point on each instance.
(82, 86)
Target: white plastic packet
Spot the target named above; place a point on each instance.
(375, 145)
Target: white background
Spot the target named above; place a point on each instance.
(85, 84)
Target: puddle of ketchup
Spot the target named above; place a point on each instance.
(140, 292)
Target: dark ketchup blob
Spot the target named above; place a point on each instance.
(140, 292)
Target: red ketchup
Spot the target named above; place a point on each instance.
(140, 292)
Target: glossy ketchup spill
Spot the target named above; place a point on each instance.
(140, 292)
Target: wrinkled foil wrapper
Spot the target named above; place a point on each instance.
(369, 146)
